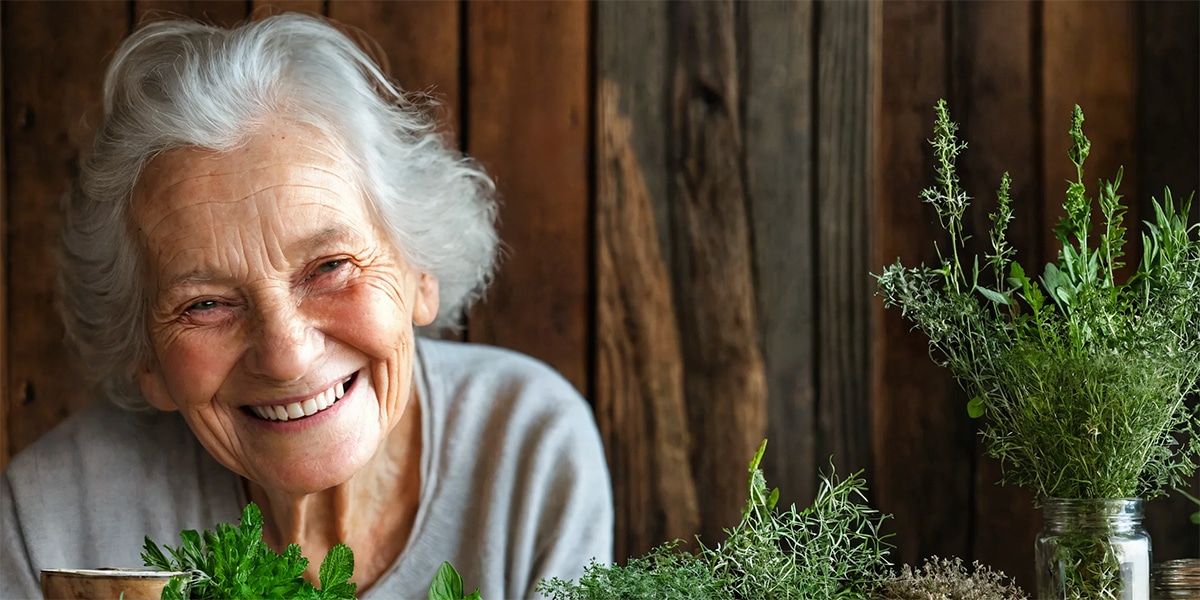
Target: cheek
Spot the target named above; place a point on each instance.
(368, 317)
(195, 366)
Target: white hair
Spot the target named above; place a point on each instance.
(178, 84)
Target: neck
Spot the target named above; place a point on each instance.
(372, 512)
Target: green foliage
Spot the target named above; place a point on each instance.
(447, 584)
(945, 579)
(833, 549)
(234, 562)
(1081, 378)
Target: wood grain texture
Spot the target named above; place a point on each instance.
(222, 13)
(266, 8)
(923, 438)
(5, 401)
(846, 82)
(528, 106)
(639, 372)
(1168, 154)
(779, 131)
(420, 46)
(713, 260)
(49, 105)
(994, 99)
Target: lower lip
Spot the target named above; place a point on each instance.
(293, 425)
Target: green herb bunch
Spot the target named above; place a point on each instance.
(447, 584)
(833, 549)
(234, 562)
(1082, 378)
(948, 579)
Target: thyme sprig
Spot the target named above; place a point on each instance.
(1082, 378)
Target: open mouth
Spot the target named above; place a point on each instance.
(304, 408)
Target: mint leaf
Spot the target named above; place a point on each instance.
(335, 573)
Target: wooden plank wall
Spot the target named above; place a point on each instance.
(693, 196)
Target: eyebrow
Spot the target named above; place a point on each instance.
(304, 247)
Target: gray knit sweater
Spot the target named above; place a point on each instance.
(514, 485)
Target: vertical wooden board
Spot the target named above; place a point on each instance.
(527, 122)
(639, 370)
(419, 44)
(994, 100)
(923, 439)
(713, 259)
(1169, 156)
(266, 8)
(222, 13)
(4, 391)
(639, 375)
(778, 119)
(846, 70)
(1088, 58)
(49, 103)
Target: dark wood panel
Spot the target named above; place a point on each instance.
(4, 251)
(639, 369)
(48, 105)
(639, 375)
(923, 437)
(418, 43)
(994, 99)
(266, 8)
(527, 106)
(846, 81)
(713, 259)
(1168, 96)
(215, 12)
(779, 126)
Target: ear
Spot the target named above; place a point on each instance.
(426, 306)
(154, 389)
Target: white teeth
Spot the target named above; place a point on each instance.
(309, 407)
(306, 408)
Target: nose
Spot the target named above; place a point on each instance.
(284, 345)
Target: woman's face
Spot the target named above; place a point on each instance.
(279, 313)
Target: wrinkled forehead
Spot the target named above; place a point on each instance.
(282, 164)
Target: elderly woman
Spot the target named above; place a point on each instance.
(263, 221)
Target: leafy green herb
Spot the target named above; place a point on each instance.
(447, 584)
(1082, 378)
(833, 549)
(234, 562)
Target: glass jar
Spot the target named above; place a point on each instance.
(1092, 550)
(1178, 579)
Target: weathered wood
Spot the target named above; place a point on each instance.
(1168, 155)
(266, 8)
(994, 99)
(779, 135)
(48, 106)
(4, 387)
(419, 44)
(713, 260)
(214, 12)
(847, 58)
(1089, 59)
(923, 438)
(527, 107)
(639, 373)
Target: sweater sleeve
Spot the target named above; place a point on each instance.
(17, 576)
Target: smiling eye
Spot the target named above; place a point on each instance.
(202, 305)
(332, 265)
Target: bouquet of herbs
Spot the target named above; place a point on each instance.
(1082, 377)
